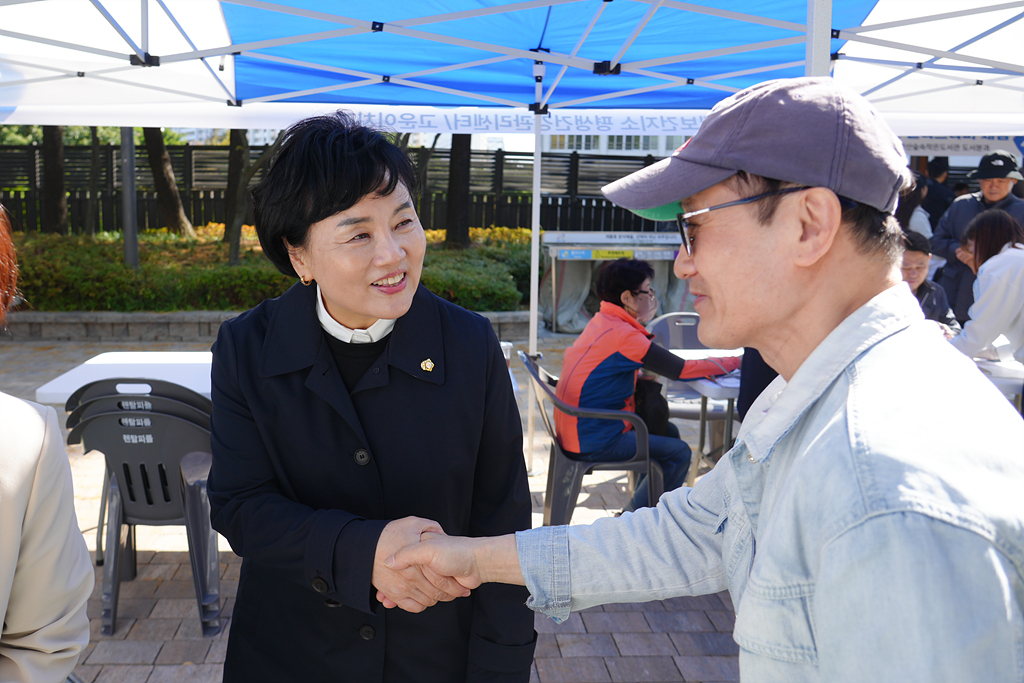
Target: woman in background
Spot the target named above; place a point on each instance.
(600, 368)
(46, 576)
(993, 247)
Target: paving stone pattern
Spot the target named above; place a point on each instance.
(158, 637)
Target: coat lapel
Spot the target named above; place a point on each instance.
(295, 341)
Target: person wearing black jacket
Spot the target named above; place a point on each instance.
(916, 255)
(996, 173)
(350, 415)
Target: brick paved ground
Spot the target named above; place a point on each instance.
(158, 639)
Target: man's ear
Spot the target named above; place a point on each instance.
(820, 216)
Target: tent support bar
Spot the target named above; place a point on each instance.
(145, 26)
(818, 61)
(934, 17)
(534, 263)
(575, 51)
(202, 98)
(61, 43)
(635, 34)
(939, 54)
(726, 14)
(930, 91)
(260, 44)
(181, 31)
(29, 81)
(738, 49)
(935, 58)
(982, 71)
(120, 31)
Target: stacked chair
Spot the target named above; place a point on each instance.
(679, 331)
(155, 438)
(565, 475)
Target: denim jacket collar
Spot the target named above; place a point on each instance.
(885, 314)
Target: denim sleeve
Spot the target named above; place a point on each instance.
(906, 597)
(654, 553)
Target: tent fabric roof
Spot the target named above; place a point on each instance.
(931, 66)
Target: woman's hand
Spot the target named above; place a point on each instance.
(411, 588)
(967, 258)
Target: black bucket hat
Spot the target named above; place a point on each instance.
(998, 164)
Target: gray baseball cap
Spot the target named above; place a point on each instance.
(809, 131)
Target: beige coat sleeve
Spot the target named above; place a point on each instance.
(46, 575)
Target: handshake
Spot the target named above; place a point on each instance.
(417, 565)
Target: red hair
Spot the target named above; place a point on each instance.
(8, 265)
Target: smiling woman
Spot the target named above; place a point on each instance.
(349, 418)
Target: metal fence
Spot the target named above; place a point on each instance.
(500, 185)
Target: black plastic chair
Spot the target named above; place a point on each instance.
(137, 386)
(565, 475)
(159, 465)
(126, 392)
(146, 403)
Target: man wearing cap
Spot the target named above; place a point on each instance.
(996, 174)
(867, 523)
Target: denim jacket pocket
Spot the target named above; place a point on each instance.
(776, 622)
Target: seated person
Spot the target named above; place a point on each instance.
(600, 368)
(993, 248)
(917, 251)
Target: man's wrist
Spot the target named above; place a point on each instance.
(497, 560)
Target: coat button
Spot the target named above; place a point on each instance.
(332, 603)
(362, 456)
(319, 585)
(376, 371)
(367, 632)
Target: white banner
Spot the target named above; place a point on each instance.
(963, 145)
(575, 121)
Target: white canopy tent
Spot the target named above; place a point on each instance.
(932, 67)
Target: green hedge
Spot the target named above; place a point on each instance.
(77, 273)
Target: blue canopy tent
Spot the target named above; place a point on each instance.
(931, 66)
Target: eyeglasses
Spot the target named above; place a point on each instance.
(685, 229)
(650, 291)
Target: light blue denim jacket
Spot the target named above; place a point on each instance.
(869, 522)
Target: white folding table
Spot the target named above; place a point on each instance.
(726, 388)
(190, 369)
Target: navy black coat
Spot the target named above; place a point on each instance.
(305, 476)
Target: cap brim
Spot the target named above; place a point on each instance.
(982, 175)
(655, 192)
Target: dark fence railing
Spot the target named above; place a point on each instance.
(500, 184)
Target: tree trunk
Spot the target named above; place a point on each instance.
(93, 204)
(457, 220)
(238, 157)
(240, 198)
(55, 198)
(166, 189)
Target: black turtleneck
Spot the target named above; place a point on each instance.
(353, 360)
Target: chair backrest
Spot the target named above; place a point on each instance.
(137, 386)
(143, 451)
(148, 403)
(543, 384)
(676, 331)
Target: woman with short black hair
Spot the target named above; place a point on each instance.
(600, 371)
(350, 415)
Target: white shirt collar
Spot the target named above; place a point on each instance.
(373, 333)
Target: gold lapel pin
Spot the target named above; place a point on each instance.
(427, 365)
